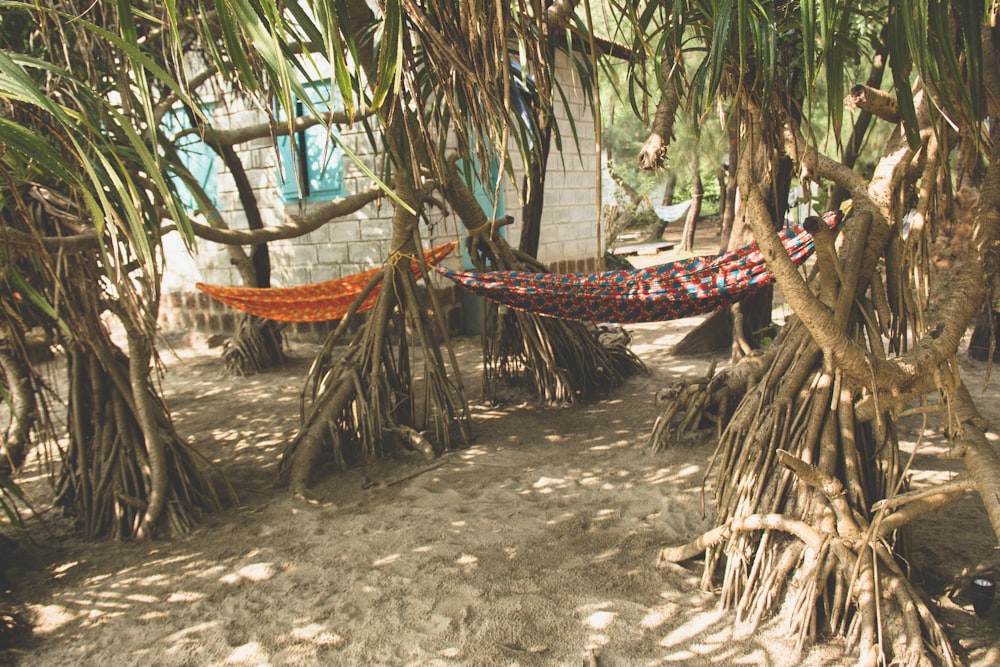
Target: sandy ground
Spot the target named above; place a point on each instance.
(533, 546)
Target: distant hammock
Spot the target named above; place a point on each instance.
(665, 292)
(317, 302)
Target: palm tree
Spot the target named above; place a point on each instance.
(85, 202)
(811, 491)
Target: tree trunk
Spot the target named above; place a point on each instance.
(18, 387)
(362, 404)
(728, 213)
(983, 344)
(697, 194)
(560, 360)
(751, 318)
(534, 188)
(811, 493)
(257, 343)
(365, 404)
(861, 124)
(656, 232)
(125, 472)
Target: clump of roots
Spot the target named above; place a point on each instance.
(797, 476)
(560, 360)
(691, 408)
(369, 399)
(256, 345)
(111, 472)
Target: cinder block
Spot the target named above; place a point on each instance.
(376, 229)
(366, 254)
(330, 255)
(343, 231)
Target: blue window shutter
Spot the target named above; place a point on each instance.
(324, 157)
(196, 157)
(287, 170)
(484, 192)
(320, 164)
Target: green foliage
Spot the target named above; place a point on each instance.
(711, 195)
(921, 36)
(775, 53)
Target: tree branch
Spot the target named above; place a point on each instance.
(75, 243)
(294, 227)
(905, 508)
(874, 101)
(817, 318)
(654, 152)
(241, 135)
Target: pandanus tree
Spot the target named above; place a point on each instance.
(91, 170)
(454, 103)
(402, 69)
(82, 199)
(810, 484)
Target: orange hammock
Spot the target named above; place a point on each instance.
(318, 302)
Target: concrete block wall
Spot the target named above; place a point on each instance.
(347, 246)
(568, 235)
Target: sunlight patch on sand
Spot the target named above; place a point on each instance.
(186, 596)
(550, 484)
(314, 633)
(697, 627)
(467, 560)
(249, 654)
(386, 560)
(252, 572)
(600, 620)
(672, 475)
(51, 617)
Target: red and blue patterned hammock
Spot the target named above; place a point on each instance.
(665, 292)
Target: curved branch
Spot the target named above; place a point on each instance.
(800, 529)
(816, 165)
(902, 376)
(241, 135)
(295, 226)
(874, 101)
(817, 318)
(560, 12)
(158, 468)
(74, 243)
(981, 458)
(903, 509)
(972, 283)
(654, 151)
(829, 486)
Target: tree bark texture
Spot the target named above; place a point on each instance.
(697, 194)
(808, 465)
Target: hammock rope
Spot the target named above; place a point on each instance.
(317, 302)
(683, 288)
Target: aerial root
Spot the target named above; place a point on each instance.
(363, 404)
(839, 580)
(688, 407)
(107, 481)
(561, 360)
(256, 345)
